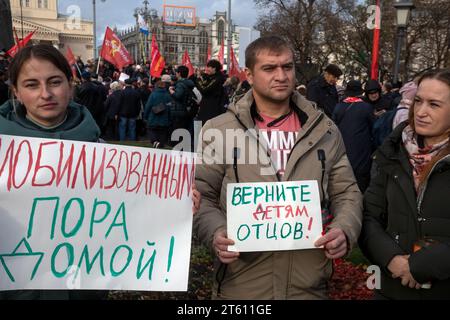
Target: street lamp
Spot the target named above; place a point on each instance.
(403, 9)
(95, 27)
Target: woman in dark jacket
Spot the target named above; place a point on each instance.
(406, 226)
(157, 114)
(211, 87)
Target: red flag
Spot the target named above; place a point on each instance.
(242, 75)
(158, 63)
(114, 51)
(222, 53)
(187, 63)
(15, 49)
(376, 42)
(234, 69)
(72, 61)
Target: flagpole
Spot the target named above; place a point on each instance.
(230, 24)
(21, 16)
(98, 64)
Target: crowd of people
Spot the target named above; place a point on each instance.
(380, 153)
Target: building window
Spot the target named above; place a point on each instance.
(25, 3)
(220, 31)
(43, 4)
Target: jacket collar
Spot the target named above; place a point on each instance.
(242, 110)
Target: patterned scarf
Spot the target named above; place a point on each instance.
(419, 157)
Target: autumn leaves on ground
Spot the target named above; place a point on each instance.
(348, 282)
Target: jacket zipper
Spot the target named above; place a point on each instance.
(420, 218)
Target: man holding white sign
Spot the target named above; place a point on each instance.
(268, 165)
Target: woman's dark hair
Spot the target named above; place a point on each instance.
(41, 52)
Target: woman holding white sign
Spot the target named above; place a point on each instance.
(41, 80)
(406, 226)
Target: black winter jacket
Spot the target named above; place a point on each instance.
(395, 217)
(324, 94)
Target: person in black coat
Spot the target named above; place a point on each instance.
(92, 96)
(355, 118)
(322, 90)
(211, 87)
(406, 224)
(373, 95)
(130, 110)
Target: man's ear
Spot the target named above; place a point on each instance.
(249, 75)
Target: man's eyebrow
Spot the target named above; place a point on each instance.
(276, 64)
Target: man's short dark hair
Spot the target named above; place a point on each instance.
(183, 71)
(334, 70)
(271, 43)
(214, 64)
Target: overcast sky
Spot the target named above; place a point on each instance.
(120, 13)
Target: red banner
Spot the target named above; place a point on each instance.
(234, 69)
(114, 51)
(157, 62)
(22, 43)
(222, 53)
(72, 61)
(208, 56)
(187, 63)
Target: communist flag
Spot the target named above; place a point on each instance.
(114, 51)
(72, 61)
(234, 69)
(222, 53)
(22, 43)
(187, 63)
(158, 63)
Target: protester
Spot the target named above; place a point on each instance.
(210, 85)
(129, 111)
(92, 96)
(406, 226)
(322, 90)
(272, 107)
(355, 118)
(112, 107)
(41, 77)
(41, 80)
(180, 116)
(157, 114)
(374, 97)
(408, 92)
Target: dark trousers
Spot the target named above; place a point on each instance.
(160, 134)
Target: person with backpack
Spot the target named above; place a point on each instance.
(354, 118)
(157, 114)
(182, 95)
